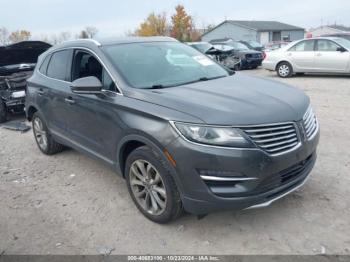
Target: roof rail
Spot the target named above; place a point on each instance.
(92, 40)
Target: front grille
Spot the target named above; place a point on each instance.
(274, 139)
(310, 123)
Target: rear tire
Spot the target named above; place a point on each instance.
(3, 112)
(43, 138)
(284, 70)
(151, 186)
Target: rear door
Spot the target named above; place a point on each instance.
(56, 90)
(302, 55)
(329, 58)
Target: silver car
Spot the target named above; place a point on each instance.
(314, 55)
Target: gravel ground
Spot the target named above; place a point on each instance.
(71, 204)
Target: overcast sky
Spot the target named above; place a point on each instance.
(117, 17)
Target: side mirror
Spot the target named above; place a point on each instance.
(86, 85)
(341, 49)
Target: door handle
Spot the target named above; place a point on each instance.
(69, 100)
(40, 92)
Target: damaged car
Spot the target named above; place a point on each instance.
(250, 59)
(224, 55)
(17, 63)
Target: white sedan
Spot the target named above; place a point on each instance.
(314, 55)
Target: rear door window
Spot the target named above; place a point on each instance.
(303, 46)
(59, 66)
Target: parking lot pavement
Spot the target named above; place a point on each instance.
(71, 204)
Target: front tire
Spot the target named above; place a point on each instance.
(3, 112)
(284, 70)
(43, 138)
(151, 186)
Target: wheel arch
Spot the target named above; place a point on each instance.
(30, 112)
(133, 141)
(284, 61)
(130, 143)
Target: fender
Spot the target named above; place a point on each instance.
(152, 143)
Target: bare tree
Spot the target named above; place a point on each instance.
(4, 36)
(64, 36)
(44, 38)
(91, 31)
(130, 33)
(83, 34)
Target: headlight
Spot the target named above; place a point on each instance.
(18, 94)
(210, 135)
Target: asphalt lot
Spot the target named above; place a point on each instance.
(71, 204)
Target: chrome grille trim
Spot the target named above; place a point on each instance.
(310, 123)
(274, 139)
(216, 178)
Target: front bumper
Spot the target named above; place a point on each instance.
(13, 103)
(201, 197)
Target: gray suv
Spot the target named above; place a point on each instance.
(183, 131)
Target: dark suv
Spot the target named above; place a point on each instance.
(183, 131)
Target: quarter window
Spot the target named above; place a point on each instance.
(44, 64)
(303, 46)
(326, 46)
(58, 66)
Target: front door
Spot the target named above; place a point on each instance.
(93, 120)
(330, 58)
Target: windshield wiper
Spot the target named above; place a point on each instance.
(204, 78)
(157, 86)
(201, 79)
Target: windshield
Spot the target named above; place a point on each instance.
(345, 43)
(162, 64)
(254, 44)
(238, 46)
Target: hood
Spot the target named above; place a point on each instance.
(25, 52)
(236, 100)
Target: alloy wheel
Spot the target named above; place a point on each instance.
(284, 70)
(147, 187)
(40, 133)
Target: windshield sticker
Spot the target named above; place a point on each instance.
(203, 60)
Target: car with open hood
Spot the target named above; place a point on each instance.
(17, 62)
(250, 59)
(183, 131)
(224, 55)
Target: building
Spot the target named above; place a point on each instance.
(327, 30)
(260, 31)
